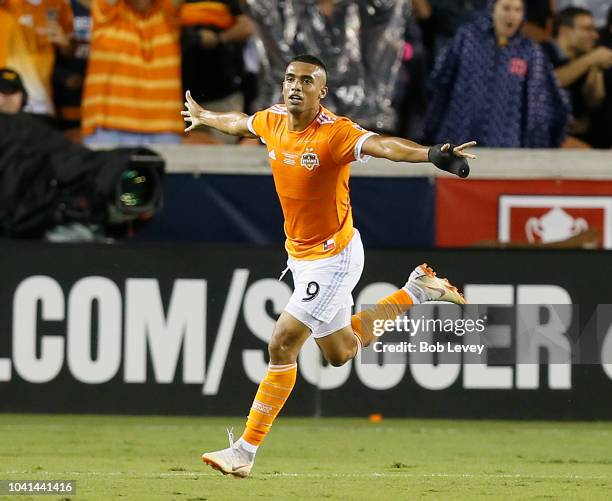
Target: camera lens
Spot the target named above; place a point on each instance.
(136, 188)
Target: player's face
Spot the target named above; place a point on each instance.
(508, 17)
(303, 87)
(11, 103)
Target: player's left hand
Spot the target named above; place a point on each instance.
(458, 150)
(452, 158)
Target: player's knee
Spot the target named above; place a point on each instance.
(337, 361)
(338, 358)
(282, 346)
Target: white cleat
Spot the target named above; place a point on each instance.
(435, 289)
(231, 461)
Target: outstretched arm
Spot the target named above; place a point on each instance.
(444, 156)
(233, 123)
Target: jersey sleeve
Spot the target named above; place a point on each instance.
(346, 139)
(261, 124)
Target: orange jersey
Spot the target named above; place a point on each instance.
(134, 73)
(311, 173)
(29, 51)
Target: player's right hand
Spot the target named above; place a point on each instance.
(193, 113)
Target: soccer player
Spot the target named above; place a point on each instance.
(310, 150)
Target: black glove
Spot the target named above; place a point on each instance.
(447, 161)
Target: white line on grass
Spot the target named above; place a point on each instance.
(517, 476)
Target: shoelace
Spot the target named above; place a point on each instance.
(230, 436)
(236, 454)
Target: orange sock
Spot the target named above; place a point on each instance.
(271, 396)
(387, 308)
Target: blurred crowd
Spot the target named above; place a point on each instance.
(508, 73)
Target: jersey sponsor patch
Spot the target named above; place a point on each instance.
(309, 159)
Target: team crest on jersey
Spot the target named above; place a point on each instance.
(309, 159)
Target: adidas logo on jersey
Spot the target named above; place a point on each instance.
(272, 154)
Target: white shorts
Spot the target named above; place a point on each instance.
(322, 298)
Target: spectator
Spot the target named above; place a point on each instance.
(606, 31)
(410, 98)
(600, 136)
(538, 20)
(358, 41)
(12, 92)
(420, 9)
(133, 89)
(496, 86)
(42, 27)
(12, 43)
(446, 16)
(213, 36)
(69, 71)
(252, 64)
(579, 66)
(599, 8)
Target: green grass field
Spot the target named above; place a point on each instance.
(158, 458)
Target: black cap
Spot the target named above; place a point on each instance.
(10, 81)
